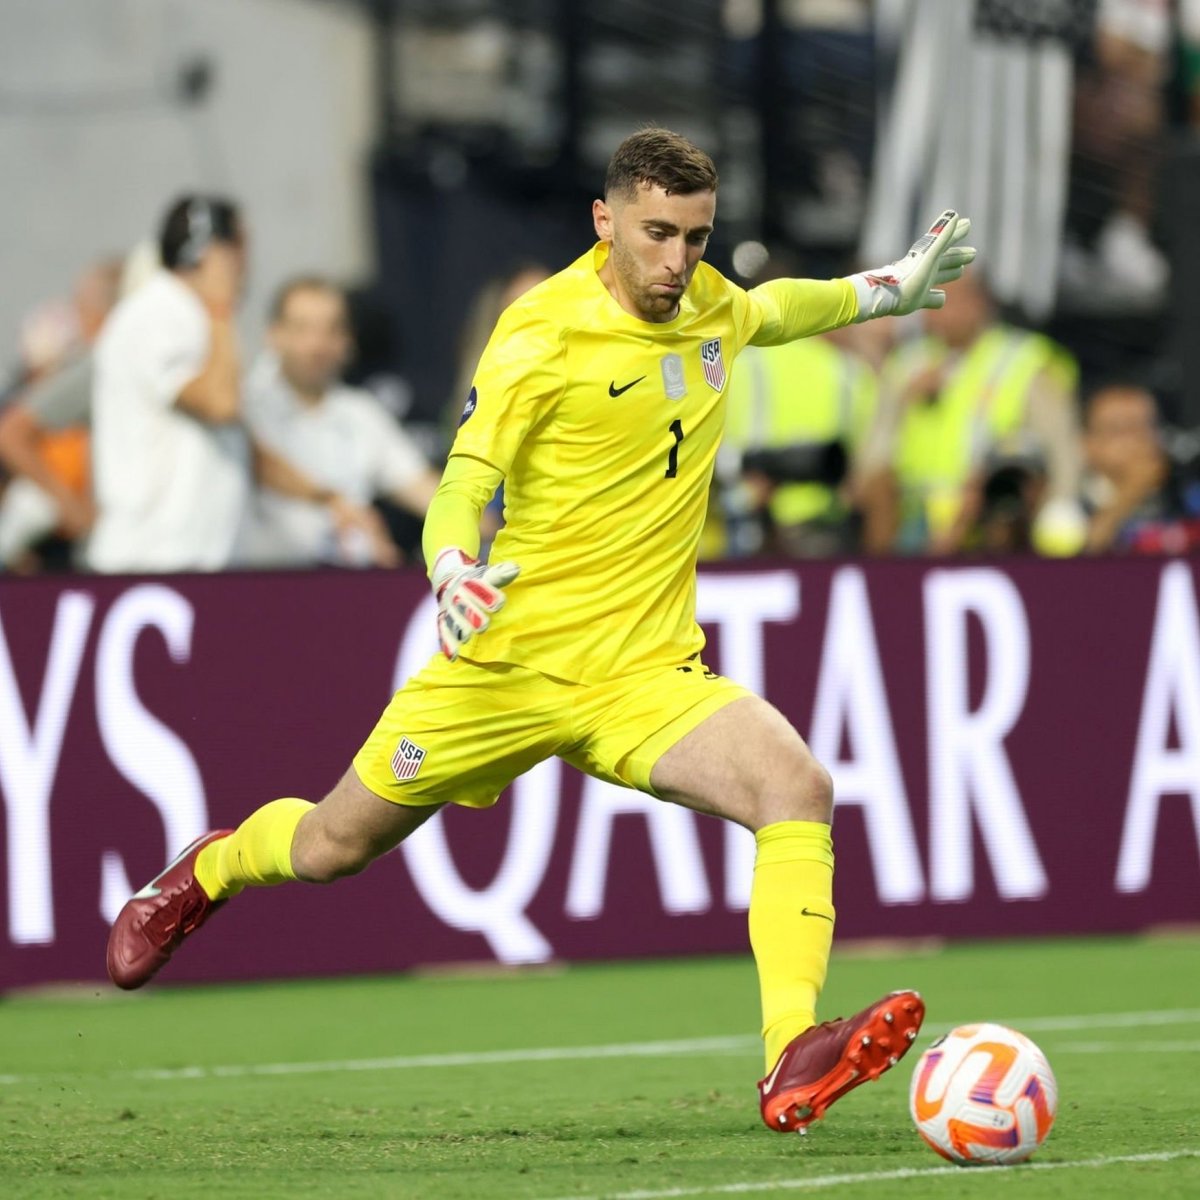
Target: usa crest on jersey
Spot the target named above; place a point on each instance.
(407, 760)
(713, 362)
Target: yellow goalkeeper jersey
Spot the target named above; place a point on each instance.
(605, 428)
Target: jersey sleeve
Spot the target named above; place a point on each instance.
(519, 378)
(453, 517)
(782, 310)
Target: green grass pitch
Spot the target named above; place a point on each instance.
(633, 1080)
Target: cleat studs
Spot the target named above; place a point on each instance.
(866, 1039)
(892, 1060)
(911, 1034)
(887, 1016)
(783, 1118)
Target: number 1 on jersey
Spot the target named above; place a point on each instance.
(673, 457)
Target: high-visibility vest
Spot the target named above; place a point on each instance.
(979, 406)
(804, 391)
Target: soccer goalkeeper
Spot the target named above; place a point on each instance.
(599, 403)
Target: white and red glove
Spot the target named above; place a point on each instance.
(911, 283)
(468, 593)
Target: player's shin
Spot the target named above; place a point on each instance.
(257, 854)
(791, 926)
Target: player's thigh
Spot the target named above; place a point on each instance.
(625, 725)
(747, 763)
(460, 733)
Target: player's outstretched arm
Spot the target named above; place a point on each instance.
(912, 282)
(468, 593)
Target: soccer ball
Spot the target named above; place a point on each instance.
(983, 1094)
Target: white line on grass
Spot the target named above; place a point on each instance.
(1159, 1016)
(735, 1044)
(813, 1182)
(1130, 1047)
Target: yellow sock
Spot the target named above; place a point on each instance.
(791, 926)
(258, 853)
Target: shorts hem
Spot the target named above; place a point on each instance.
(640, 762)
(390, 796)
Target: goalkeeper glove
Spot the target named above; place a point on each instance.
(911, 283)
(468, 593)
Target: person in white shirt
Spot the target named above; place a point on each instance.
(340, 437)
(172, 462)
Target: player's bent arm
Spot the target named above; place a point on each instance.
(468, 592)
(215, 394)
(273, 471)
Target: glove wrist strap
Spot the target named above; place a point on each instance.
(449, 561)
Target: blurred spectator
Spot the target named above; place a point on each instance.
(340, 437)
(44, 447)
(172, 461)
(796, 416)
(1118, 132)
(43, 430)
(973, 415)
(56, 332)
(1136, 499)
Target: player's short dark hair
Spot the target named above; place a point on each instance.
(304, 283)
(192, 224)
(659, 158)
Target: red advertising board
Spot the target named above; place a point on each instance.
(1015, 747)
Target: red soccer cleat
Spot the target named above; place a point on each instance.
(155, 920)
(823, 1063)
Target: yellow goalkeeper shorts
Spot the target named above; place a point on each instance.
(461, 732)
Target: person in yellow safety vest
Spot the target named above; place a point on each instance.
(972, 397)
(808, 396)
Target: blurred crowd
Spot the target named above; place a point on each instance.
(140, 435)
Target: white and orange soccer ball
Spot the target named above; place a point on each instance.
(983, 1094)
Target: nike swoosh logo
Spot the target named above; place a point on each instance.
(808, 912)
(768, 1083)
(615, 391)
(150, 890)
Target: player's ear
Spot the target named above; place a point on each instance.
(602, 218)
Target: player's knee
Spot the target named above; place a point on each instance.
(818, 791)
(803, 793)
(324, 859)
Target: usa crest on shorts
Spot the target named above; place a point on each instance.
(713, 362)
(407, 760)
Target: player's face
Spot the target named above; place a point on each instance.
(312, 339)
(656, 242)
